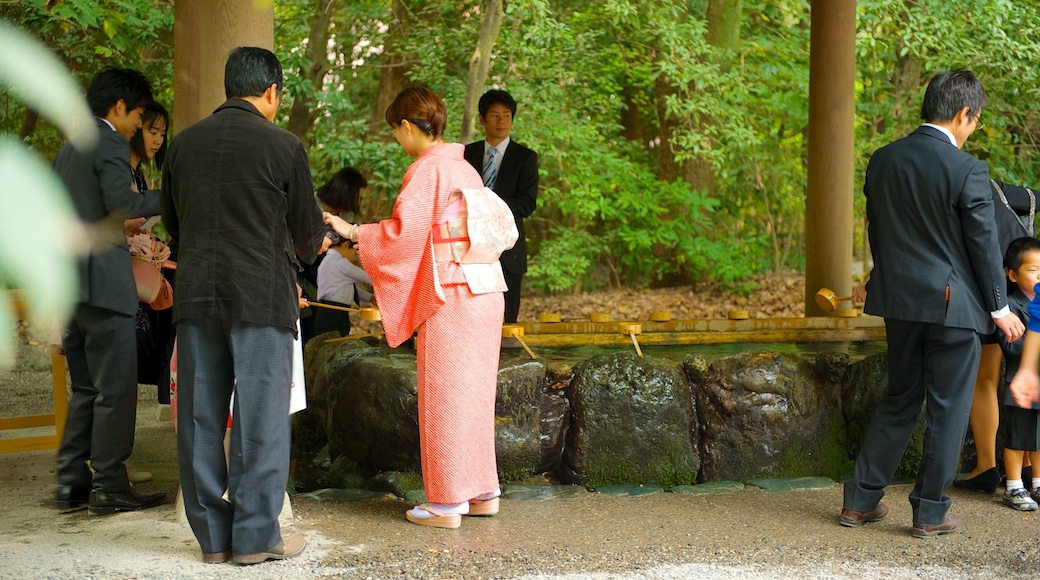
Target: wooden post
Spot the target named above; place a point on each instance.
(186, 63)
(205, 31)
(828, 217)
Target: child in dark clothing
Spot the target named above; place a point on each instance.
(1022, 433)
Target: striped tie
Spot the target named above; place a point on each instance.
(489, 169)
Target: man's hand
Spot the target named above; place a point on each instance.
(859, 294)
(1011, 326)
(133, 227)
(1025, 388)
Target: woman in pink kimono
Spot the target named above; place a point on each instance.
(418, 285)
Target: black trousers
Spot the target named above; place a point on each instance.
(512, 296)
(101, 351)
(930, 365)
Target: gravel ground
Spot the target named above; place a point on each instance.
(746, 534)
(749, 533)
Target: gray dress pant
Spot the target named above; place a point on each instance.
(101, 353)
(931, 364)
(216, 358)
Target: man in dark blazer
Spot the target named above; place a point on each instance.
(938, 282)
(511, 170)
(237, 196)
(100, 342)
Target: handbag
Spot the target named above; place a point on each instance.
(152, 286)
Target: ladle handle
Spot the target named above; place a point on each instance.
(333, 306)
(636, 344)
(524, 344)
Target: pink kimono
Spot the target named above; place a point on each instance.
(460, 333)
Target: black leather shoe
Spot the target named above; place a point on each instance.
(985, 482)
(104, 503)
(68, 497)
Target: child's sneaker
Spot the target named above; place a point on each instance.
(1020, 500)
(1035, 494)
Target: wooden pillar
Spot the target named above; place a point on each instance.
(205, 31)
(186, 62)
(828, 217)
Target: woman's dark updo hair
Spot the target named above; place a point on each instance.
(421, 107)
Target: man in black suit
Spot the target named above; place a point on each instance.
(511, 170)
(100, 342)
(937, 281)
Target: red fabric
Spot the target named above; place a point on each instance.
(457, 354)
(398, 252)
(460, 333)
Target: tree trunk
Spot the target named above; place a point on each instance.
(479, 65)
(392, 79)
(667, 168)
(724, 19)
(28, 127)
(304, 110)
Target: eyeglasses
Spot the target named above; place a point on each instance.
(978, 121)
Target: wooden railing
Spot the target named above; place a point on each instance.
(14, 299)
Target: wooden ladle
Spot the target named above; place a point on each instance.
(828, 300)
(516, 331)
(366, 313)
(632, 329)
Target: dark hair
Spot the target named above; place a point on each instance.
(496, 96)
(111, 85)
(343, 191)
(422, 107)
(152, 112)
(949, 92)
(1018, 249)
(249, 71)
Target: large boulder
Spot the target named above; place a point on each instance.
(530, 417)
(373, 415)
(765, 415)
(632, 423)
(861, 390)
(325, 371)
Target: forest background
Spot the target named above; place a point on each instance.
(671, 134)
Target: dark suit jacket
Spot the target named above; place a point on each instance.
(237, 196)
(99, 181)
(517, 184)
(931, 227)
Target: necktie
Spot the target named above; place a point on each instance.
(489, 169)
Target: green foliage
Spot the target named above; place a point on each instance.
(89, 35)
(664, 159)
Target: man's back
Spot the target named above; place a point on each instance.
(237, 195)
(931, 228)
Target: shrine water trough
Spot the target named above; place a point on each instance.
(594, 403)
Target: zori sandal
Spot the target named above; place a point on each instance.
(424, 515)
(483, 507)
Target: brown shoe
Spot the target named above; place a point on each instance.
(948, 526)
(290, 547)
(851, 518)
(216, 557)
